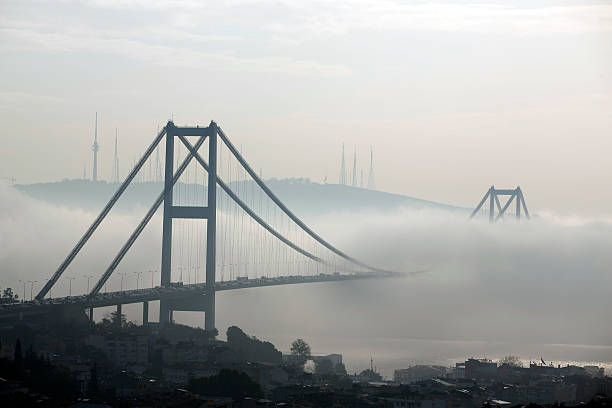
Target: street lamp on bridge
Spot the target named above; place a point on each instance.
(24, 285)
(137, 278)
(88, 277)
(122, 274)
(152, 272)
(70, 279)
(31, 288)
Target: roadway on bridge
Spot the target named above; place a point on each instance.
(175, 291)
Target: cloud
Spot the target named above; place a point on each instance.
(340, 17)
(256, 35)
(22, 101)
(177, 43)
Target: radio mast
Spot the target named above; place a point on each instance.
(371, 183)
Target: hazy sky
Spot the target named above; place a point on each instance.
(454, 96)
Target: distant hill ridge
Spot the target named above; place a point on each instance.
(301, 195)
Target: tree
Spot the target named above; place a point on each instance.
(211, 334)
(300, 348)
(118, 319)
(250, 348)
(511, 360)
(8, 295)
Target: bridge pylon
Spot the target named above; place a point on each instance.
(208, 213)
(492, 196)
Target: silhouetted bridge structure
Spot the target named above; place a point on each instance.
(251, 240)
(179, 297)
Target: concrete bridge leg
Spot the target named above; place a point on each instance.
(164, 312)
(211, 231)
(91, 314)
(166, 261)
(145, 313)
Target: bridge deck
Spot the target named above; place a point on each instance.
(177, 291)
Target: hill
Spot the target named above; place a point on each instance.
(302, 196)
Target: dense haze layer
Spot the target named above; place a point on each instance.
(485, 289)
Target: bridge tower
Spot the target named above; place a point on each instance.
(209, 213)
(492, 196)
(195, 297)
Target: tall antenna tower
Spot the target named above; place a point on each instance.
(342, 169)
(354, 183)
(116, 162)
(371, 183)
(95, 149)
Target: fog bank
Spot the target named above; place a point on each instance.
(537, 287)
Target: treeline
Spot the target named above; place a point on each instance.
(38, 375)
(249, 348)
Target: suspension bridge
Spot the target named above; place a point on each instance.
(222, 229)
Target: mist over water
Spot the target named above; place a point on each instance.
(541, 288)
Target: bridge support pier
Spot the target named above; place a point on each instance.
(145, 313)
(91, 314)
(164, 312)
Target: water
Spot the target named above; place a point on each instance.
(390, 322)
